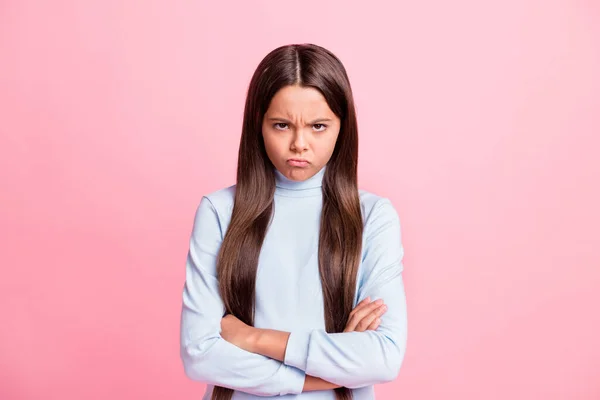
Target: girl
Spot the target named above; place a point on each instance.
(288, 270)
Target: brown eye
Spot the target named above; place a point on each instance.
(320, 127)
(278, 126)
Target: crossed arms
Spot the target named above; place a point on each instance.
(220, 351)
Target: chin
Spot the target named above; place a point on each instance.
(298, 174)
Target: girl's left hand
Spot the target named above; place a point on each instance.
(236, 332)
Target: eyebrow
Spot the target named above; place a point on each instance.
(310, 123)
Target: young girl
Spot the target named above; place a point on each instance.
(288, 270)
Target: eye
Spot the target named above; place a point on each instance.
(323, 127)
(278, 126)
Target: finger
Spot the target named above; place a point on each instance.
(374, 325)
(364, 324)
(352, 321)
(367, 309)
(361, 313)
(361, 304)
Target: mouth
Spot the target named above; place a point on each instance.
(297, 162)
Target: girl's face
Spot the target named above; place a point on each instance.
(299, 131)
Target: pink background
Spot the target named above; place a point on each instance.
(480, 120)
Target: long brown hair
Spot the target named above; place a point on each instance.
(340, 238)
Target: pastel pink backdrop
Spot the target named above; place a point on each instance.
(480, 120)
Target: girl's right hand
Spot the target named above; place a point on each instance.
(365, 316)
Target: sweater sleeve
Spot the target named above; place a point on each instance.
(206, 356)
(358, 359)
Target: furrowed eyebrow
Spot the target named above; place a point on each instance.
(316, 121)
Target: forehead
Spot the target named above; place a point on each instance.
(299, 101)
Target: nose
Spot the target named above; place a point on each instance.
(299, 142)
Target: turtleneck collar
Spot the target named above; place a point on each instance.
(307, 187)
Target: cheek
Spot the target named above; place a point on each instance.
(272, 145)
(331, 143)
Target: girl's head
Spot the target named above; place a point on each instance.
(299, 114)
(299, 131)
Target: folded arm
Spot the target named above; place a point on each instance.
(356, 359)
(206, 356)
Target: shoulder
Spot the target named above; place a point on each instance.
(214, 210)
(377, 209)
(221, 200)
(382, 238)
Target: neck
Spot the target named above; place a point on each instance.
(307, 187)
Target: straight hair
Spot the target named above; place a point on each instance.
(341, 224)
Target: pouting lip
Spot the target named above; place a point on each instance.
(298, 160)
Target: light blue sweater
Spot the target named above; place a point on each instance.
(289, 298)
